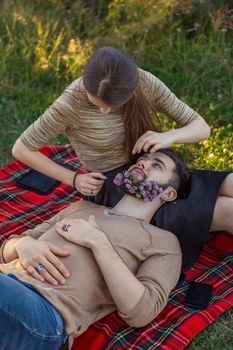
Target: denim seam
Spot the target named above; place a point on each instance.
(31, 331)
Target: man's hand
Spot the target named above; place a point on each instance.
(82, 232)
(33, 252)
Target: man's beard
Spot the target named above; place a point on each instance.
(129, 184)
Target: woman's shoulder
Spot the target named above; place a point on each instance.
(76, 93)
(149, 81)
(146, 76)
(76, 86)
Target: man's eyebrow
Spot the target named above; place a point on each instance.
(145, 156)
(160, 161)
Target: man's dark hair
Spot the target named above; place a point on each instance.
(180, 179)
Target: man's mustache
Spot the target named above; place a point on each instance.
(138, 170)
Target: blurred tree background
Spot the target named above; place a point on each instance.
(188, 44)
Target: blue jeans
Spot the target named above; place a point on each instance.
(27, 320)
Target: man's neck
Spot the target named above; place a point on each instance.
(137, 208)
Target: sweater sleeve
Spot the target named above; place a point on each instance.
(166, 101)
(34, 233)
(37, 231)
(159, 274)
(59, 117)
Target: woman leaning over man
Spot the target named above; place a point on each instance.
(107, 115)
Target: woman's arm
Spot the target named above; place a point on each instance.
(87, 184)
(41, 163)
(193, 128)
(195, 131)
(54, 121)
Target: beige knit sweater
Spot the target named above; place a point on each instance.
(152, 254)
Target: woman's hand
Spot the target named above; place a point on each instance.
(152, 141)
(33, 252)
(82, 232)
(89, 184)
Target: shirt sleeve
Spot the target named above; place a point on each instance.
(55, 120)
(165, 100)
(159, 274)
(34, 233)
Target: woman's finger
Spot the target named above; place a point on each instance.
(94, 182)
(148, 144)
(98, 176)
(89, 190)
(140, 142)
(155, 148)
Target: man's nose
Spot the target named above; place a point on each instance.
(142, 164)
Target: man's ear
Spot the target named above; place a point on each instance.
(169, 194)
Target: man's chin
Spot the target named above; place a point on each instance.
(139, 177)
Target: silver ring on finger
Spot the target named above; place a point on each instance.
(65, 227)
(39, 268)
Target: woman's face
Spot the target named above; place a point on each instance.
(104, 109)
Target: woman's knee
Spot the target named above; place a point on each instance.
(222, 216)
(226, 188)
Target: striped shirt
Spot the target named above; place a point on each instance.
(99, 139)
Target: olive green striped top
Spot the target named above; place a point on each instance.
(98, 139)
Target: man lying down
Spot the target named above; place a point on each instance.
(106, 259)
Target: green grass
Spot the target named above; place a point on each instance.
(187, 44)
(218, 336)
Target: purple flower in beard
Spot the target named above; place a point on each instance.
(131, 190)
(118, 179)
(149, 186)
(144, 194)
(127, 181)
(146, 190)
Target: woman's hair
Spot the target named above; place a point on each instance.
(112, 76)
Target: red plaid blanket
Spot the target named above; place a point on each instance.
(177, 324)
